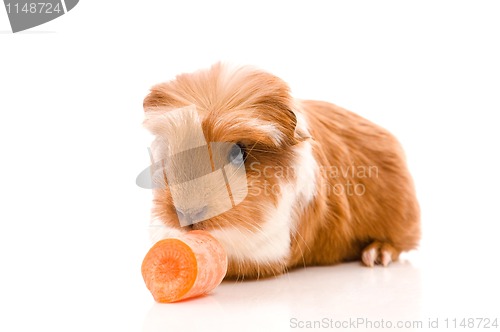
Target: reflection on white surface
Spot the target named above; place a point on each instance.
(346, 291)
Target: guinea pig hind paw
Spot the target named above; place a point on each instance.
(378, 253)
(369, 256)
(386, 257)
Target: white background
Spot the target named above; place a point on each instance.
(74, 227)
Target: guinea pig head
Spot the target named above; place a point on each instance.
(225, 152)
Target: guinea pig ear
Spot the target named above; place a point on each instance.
(301, 132)
(295, 127)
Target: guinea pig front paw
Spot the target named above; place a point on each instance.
(379, 253)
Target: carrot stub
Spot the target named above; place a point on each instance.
(175, 269)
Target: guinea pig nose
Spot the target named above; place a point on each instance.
(192, 214)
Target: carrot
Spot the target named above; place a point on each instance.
(175, 269)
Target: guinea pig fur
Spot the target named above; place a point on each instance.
(324, 185)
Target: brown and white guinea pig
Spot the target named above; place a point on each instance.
(324, 184)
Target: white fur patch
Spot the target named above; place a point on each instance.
(175, 131)
(267, 128)
(159, 231)
(270, 243)
(305, 186)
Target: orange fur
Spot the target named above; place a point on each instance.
(387, 212)
(333, 226)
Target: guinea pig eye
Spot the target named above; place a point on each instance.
(237, 154)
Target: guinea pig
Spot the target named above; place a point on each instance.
(321, 185)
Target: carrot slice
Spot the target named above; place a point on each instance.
(175, 269)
